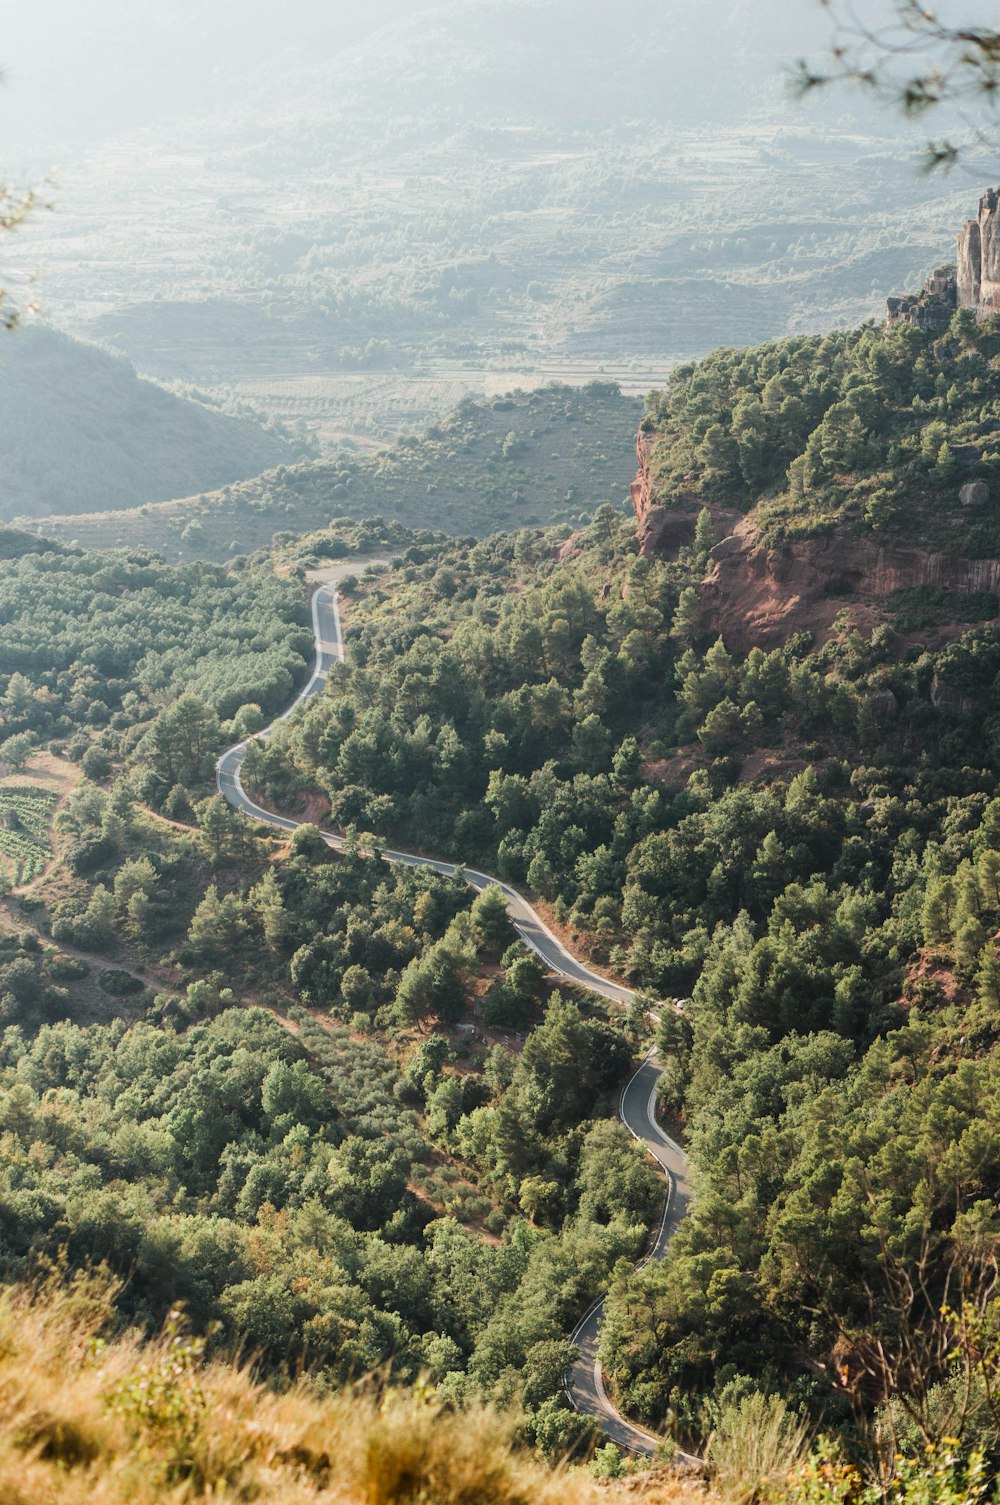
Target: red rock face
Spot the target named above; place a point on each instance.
(756, 597)
(641, 490)
(660, 531)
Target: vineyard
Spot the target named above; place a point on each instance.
(24, 843)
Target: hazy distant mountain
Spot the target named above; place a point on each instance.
(287, 207)
(578, 64)
(89, 72)
(79, 430)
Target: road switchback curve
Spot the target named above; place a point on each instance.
(584, 1382)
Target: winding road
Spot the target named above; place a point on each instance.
(584, 1381)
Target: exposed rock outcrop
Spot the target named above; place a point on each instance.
(975, 282)
(659, 531)
(930, 310)
(665, 530)
(974, 494)
(978, 263)
(755, 596)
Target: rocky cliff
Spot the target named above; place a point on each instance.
(665, 530)
(978, 258)
(660, 531)
(931, 309)
(974, 283)
(755, 595)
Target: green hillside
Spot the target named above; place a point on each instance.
(802, 843)
(79, 429)
(524, 459)
(876, 429)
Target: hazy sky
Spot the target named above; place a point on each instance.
(83, 70)
(93, 68)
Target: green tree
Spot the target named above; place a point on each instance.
(217, 923)
(182, 741)
(16, 750)
(266, 902)
(491, 923)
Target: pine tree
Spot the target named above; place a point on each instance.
(704, 535)
(970, 937)
(269, 907)
(490, 920)
(988, 977)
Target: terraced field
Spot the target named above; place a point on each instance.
(25, 813)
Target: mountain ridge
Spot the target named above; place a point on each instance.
(79, 426)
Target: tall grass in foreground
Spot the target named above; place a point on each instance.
(127, 1422)
(756, 1449)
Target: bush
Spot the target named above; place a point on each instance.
(67, 969)
(95, 763)
(119, 984)
(90, 854)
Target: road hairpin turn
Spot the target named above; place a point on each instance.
(584, 1381)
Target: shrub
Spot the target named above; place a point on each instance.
(117, 983)
(67, 969)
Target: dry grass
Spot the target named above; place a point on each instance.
(84, 1422)
(757, 1449)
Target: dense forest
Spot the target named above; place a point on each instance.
(114, 643)
(880, 428)
(338, 1110)
(81, 432)
(296, 1179)
(803, 841)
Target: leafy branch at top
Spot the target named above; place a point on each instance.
(15, 207)
(915, 61)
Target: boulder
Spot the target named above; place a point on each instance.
(974, 494)
(727, 547)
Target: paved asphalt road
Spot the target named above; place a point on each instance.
(584, 1382)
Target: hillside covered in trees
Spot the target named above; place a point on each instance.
(79, 430)
(803, 841)
(312, 1120)
(255, 1021)
(523, 459)
(878, 429)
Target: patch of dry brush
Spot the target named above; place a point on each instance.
(128, 1422)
